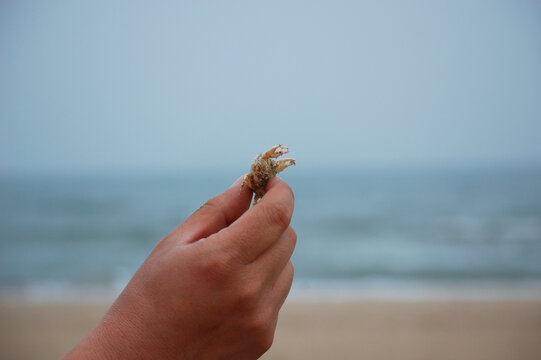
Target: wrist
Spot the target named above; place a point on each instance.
(115, 337)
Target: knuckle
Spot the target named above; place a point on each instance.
(216, 266)
(262, 334)
(258, 326)
(265, 341)
(248, 296)
(165, 243)
(291, 270)
(278, 213)
(222, 261)
(211, 205)
(293, 236)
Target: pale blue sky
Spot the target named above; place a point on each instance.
(101, 85)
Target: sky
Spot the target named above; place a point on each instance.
(124, 85)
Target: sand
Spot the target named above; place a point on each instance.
(310, 330)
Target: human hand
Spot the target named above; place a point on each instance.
(211, 289)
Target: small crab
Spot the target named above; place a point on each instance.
(264, 168)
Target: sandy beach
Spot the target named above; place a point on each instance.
(321, 330)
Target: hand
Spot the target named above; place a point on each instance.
(211, 289)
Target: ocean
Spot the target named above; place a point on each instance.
(361, 232)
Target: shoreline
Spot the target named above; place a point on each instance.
(311, 291)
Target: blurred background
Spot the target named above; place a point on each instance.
(416, 129)
(415, 126)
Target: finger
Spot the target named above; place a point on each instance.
(282, 286)
(215, 214)
(272, 262)
(258, 228)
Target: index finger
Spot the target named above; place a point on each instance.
(259, 227)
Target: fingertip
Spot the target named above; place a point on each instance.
(276, 184)
(240, 187)
(239, 197)
(217, 213)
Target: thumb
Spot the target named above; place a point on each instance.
(215, 214)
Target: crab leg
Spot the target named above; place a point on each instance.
(283, 164)
(275, 152)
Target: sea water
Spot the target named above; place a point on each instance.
(360, 231)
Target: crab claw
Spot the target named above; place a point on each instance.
(283, 164)
(276, 151)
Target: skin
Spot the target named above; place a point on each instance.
(211, 289)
